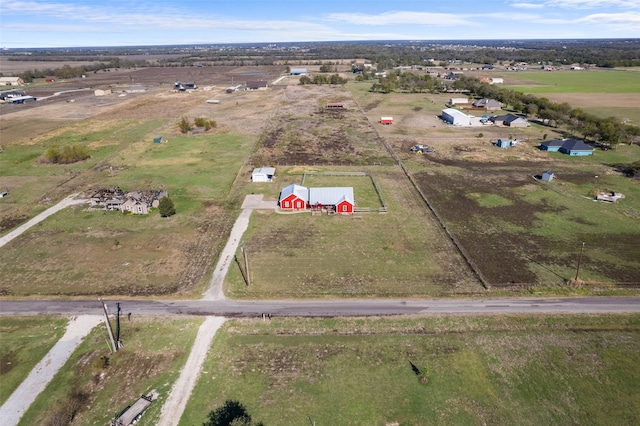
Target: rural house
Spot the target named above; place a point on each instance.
(510, 120)
(11, 81)
(333, 200)
(488, 104)
(571, 147)
(294, 197)
(136, 202)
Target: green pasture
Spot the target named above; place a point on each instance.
(576, 82)
(154, 352)
(401, 253)
(24, 341)
(499, 370)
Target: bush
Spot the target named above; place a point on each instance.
(66, 155)
(184, 124)
(166, 207)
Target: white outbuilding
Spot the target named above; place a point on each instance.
(456, 117)
(263, 174)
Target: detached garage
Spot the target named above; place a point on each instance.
(263, 174)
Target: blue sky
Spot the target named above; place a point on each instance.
(77, 23)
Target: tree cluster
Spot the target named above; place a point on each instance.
(65, 155)
(610, 131)
(323, 79)
(407, 82)
(232, 413)
(166, 207)
(185, 124)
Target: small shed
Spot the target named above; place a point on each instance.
(263, 174)
(503, 143)
(157, 139)
(547, 176)
(386, 120)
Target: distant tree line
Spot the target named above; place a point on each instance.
(322, 79)
(610, 130)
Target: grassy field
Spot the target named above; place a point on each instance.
(613, 81)
(401, 253)
(482, 370)
(154, 352)
(24, 341)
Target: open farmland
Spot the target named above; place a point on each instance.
(73, 252)
(514, 228)
(493, 370)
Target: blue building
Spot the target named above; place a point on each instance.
(571, 147)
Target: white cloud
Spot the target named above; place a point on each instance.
(591, 4)
(528, 5)
(398, 18)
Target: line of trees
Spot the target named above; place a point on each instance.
(322, 79)
(610, 131)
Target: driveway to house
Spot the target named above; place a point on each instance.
(69, 201)
(20, 400)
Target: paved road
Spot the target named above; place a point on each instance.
(330, 308)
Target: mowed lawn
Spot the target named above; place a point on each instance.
(502, 370)
(402, 253)
(24, 341)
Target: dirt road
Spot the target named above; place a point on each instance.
(69, 201)
(20, 400)
(181, 392)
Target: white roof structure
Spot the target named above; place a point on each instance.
(330, 196)
(263, 174)
(298, 190)
(456, 117)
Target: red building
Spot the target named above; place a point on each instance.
(334, 200)
(294, 197)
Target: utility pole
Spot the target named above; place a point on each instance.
(579, 262)
(246, 264)
(108, 324)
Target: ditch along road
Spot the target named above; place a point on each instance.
(217, 309)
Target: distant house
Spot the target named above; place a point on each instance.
(298, 71)
(11, 81)
(510, 120)
(386, 120)
(488, 104)
(487, 67)
(610, 197)
(456, 117)
(257, 85)
(134, 206)
(547, 175)
(571, 147)
(102, 92)
(263, 174)
(459, 101)
(497, 80)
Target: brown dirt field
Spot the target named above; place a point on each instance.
(304, 132)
